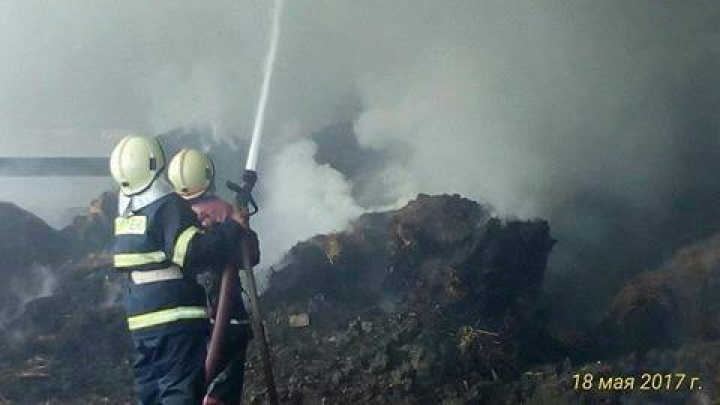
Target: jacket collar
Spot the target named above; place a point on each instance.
(127, 205)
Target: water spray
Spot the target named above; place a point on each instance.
(252, 158)
(246, 204)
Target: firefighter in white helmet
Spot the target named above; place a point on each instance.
(192, 174)
(159, 246)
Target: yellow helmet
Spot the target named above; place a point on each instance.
(191, 172)
(136, 162)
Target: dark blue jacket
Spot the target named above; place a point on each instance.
(161, 235)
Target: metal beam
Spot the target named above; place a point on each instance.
(54, 167)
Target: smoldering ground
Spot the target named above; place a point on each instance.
(600, 116)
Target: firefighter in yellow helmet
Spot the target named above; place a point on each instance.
(192, 174)
(159, 246)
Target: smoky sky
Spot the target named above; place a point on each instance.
(600, 116)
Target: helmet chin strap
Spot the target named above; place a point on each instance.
(194, 195)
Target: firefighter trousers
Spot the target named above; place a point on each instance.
(169, 369)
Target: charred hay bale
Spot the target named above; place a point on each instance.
(438, 252)
(29, 249)
(26, 239)
(92, 231)
(439, 220)
(674, 304)
(411, 302)
(509, 258)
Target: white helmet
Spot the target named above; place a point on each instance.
(191, 172)
(136, 162)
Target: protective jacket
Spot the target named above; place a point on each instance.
(212, 210)
(160, 246)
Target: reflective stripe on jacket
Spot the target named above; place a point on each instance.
(160, 235)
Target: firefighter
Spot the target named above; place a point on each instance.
(158, 244)
(192, 174)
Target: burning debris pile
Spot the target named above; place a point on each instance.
(70, 347)
(431, 302)
(67, 344)
(437, 302)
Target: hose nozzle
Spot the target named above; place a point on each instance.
(243, 191)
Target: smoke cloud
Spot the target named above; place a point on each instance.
(600, 116)
(304, 199)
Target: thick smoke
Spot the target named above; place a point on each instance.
(599, 115)
(301, 195)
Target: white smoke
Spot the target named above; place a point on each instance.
(305, 199)
(489, 98)
(528, 105)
